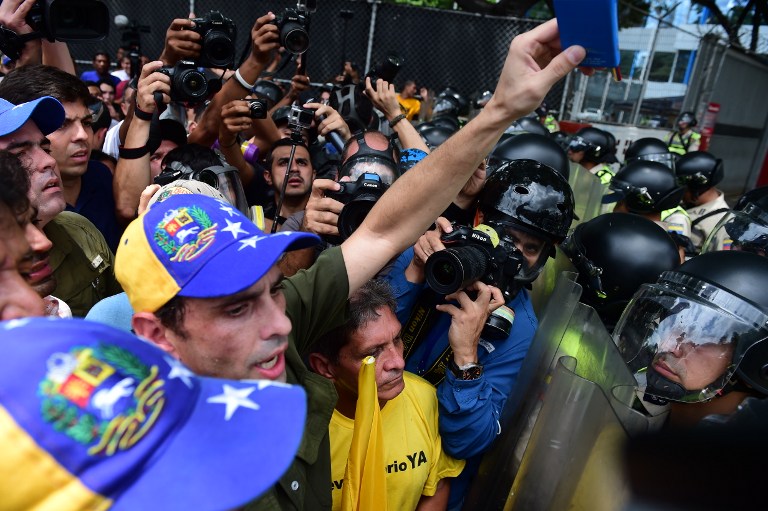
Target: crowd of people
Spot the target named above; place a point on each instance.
(251, 247)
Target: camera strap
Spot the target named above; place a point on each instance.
(415, 331)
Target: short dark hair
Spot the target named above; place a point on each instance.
(283, 142)
(194, 156)
(14, 184)
(172, 314)
(363, 307)
(108, 82)
(101, 52)
(27, 83)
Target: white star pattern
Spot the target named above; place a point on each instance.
(263, 384)
(179, 371)
(234, 228)
(227, 209)
(249, 242)
(233, 399)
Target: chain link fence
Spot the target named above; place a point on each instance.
(439, 47)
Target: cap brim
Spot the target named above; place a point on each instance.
(243, 263)
(612, 197)
(46, 112)
(213, 463)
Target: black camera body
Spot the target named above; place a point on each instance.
(69, 20)
(218, 40)
(358, 198)
(189, 84)
(293, 25)
(473, 255)
(257, 108)
(386, 70)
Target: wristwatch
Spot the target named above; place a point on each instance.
(471, 371)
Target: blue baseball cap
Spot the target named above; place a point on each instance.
(198, 247)
(95, 418)
(46, 112)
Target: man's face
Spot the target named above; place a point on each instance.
(156, 160)
(531, 246)
(125, 64)
(107, 93)
(17, 298)
(409, 90)
(101, 64)
(71, 144)
(575, 156)
(39, 272)
(45, 193)
(241, 336)
(300, 177)
(694, 366)
(379, 338)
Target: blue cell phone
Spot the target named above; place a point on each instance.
(593, 24)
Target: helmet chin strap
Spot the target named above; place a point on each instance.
(660, 389)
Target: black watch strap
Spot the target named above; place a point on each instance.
(467, 372)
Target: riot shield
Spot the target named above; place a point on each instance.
(570, 411)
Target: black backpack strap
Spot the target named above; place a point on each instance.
(697, 221)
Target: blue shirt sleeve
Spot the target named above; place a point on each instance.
(470, 410)
(406, 293)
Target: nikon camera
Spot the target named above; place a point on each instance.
(358, 198)
(218, 40)
(293, 25)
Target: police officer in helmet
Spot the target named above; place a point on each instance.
(745, 228)
(684, 139)
(594, 149)
(700, 335)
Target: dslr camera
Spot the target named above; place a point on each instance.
(218, 40)
(293, 25)
(386, 70)
(358, 198)
(257, 108)
(189, 84)
(69, 20)
(472, 255)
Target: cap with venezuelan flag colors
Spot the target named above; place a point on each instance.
(95, 418)
(197, 247)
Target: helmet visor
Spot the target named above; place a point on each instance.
(684, 339)
(740, 230)
(534, 249)
(667, 159)
(578, 144)
(356, 167)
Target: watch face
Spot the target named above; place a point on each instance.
(472, 373)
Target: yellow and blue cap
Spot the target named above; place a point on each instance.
(196, 247)
(95, 418)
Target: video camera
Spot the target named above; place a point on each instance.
(358, 198)
(472, 255)
(69, 20)
(218, 40)
(189, 84)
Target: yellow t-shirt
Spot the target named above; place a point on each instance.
(412, 447)
(409, 106)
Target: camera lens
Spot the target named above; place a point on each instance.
(257, 110)
(452, 269)
(192, 84)
(353, 214)
(208, 177)
(294, 38)
(219, 49)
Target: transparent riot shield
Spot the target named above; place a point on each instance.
(569, 413)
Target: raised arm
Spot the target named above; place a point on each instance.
(534, 64)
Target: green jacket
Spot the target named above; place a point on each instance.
(82, 263)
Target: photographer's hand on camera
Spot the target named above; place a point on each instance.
(468, 319)
(152, 81)
(429, 243)
(322, 213)
(332, 121)
(13, 15)
(181, 43)
(235, 118)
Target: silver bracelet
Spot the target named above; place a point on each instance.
(242, 81)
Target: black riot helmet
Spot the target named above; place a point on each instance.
(434, 135)
(686, 336)
(526, 125)
(615, 254)
(598, 145)
(450, 102)
(699, 171)
(687, 118)
(530, 146)
(645, 187)
(526, 196)
(751, 196)
(744, 229)
(650, 149)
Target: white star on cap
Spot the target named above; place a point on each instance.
(233, 399)
(249, 242)
(227, 209)
(179, 371)
(234, 228)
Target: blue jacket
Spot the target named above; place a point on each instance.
(469, 410)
